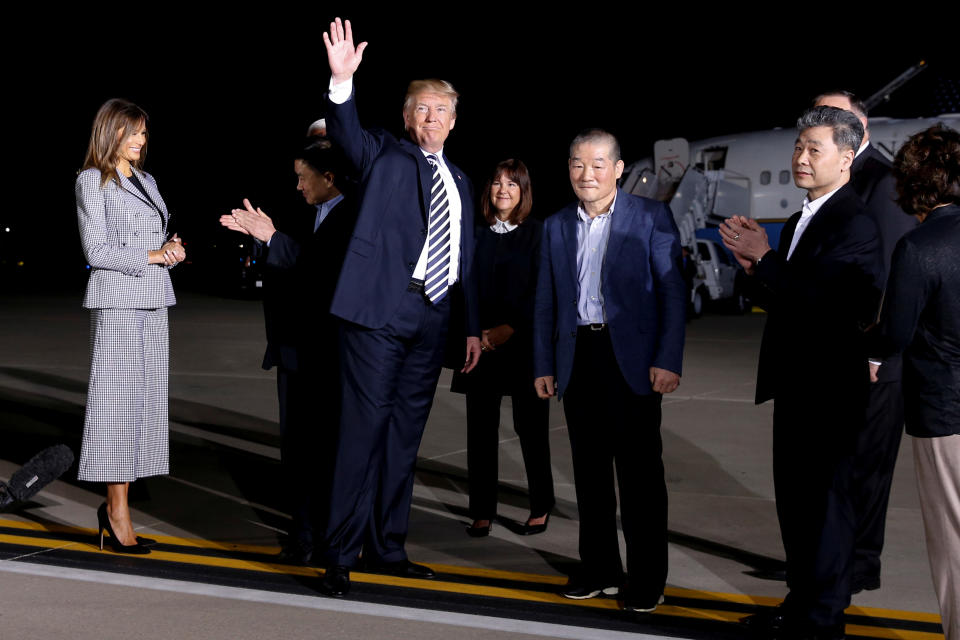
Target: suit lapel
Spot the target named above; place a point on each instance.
(130, 188)
(425, 173)
(620, 221)
(568, 229)
(823, 222)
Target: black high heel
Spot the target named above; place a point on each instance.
(104, 523)
(479, 532)
(533, 529)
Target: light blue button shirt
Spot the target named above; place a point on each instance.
(592, 236)
(323, 210)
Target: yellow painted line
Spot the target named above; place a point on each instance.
(479, 572)
(891, 634)
(873, 612)
(174, 540)
(454, 587)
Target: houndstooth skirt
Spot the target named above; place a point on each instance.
(126, 430)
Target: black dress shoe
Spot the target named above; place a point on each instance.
(336, 582)
(404, 569)
(768, 620)
(533, 529)
(296, 554)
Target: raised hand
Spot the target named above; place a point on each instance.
(344, 58)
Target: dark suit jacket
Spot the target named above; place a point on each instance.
(871, 178)
(921, 318)
(819, 303)
(302, 268)
(505, 267)
(642, 287)
(392, 222)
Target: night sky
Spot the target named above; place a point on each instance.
(230, 97)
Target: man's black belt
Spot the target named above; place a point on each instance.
(595, 326)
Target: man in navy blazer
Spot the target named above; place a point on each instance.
(412, 247)
(608, 337)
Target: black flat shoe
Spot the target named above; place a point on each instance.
(104, 524)
(336, 582)
(479, 532)
(533, 529)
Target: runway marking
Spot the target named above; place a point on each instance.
(232, 498)
(441, 586)
(265, 450)
(329, 604)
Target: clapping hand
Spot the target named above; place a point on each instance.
(746, 239)
(342, 55)
(252, 222)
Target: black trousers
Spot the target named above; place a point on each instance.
(531, 421)
(813, 441)
(874, 460)
(609, 426)
(389, 378)
(309, 423)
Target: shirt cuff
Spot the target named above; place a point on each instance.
(340, 93)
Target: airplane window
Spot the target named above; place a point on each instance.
(764, 177)
(784, 177)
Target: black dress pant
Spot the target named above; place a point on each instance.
(309, 423)
(874, 461)
(609, 426)
(389, 378)
(531, 421)
(813, 440)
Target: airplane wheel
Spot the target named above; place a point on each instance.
(696, 306)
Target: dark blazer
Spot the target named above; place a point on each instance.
(819, 303)
(871, 178)
(391, 223)
(505, 268)
(642, 286)
(921, 318)
(301, 273)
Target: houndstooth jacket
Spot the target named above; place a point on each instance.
(118, 226)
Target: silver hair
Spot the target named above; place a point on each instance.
(594, 136)
(847, 128)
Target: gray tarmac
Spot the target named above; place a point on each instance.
(223, 484)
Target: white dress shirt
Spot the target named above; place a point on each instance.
(806, 214)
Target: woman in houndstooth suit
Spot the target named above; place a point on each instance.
(123, 223)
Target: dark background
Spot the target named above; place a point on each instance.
(230, 95)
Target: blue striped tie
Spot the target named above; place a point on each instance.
(436, 281)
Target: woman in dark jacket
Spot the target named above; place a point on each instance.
(921, 319)
(507, 254)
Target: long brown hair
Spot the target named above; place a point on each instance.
(114, 121)
(516, 171)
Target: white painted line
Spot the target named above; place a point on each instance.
(227, 496)
(329, 604)
(265, 450)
